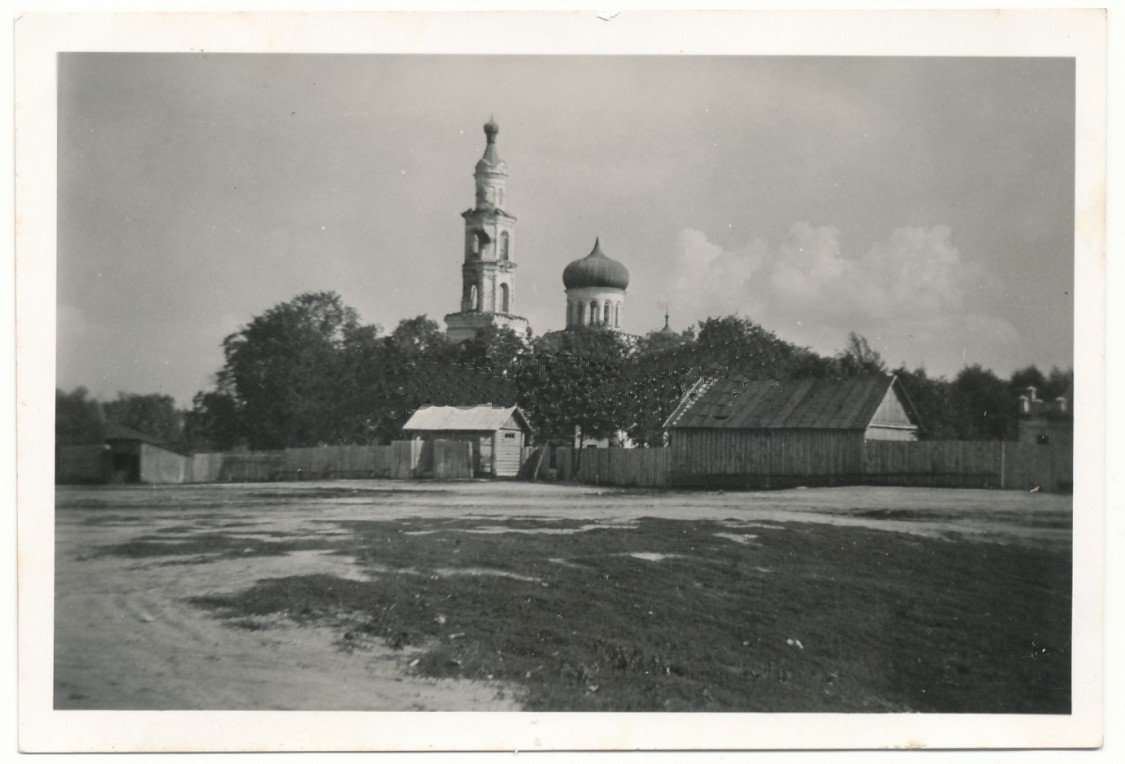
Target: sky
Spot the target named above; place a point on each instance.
(925, 203)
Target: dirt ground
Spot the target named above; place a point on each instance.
(127, 637)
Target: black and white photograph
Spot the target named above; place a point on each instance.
(658, 385)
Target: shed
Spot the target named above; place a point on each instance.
(121, 455)
(775, 433)
(497, 434)
(140, 458)
(1050, 424)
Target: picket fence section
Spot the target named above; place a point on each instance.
(640, 467)
(939, 463)
(401, 460)
(964, 464)
(949, 464)
(946, 464)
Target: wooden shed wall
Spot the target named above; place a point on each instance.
(508, 451)
(159, 465)
(766, 458)
(877, 432)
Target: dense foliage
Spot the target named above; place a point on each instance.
(80, 419)
(308, 372)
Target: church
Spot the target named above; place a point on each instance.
(595, 284)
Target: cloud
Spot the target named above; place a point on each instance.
(906, 293)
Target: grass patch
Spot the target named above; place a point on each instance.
(213, 545)
(807, 620)
(1028, 519)
(343, 492)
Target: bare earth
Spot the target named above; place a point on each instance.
(127, 638)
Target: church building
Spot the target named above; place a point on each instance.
(488, 271)
(595, 284)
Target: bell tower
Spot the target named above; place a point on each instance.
(488, 267)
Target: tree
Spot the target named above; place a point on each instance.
(656, 385)
(386, 379)
(419, 336)
(152, 414)
(283, 370)
(214, 422)
(573, 379)
(662, 340)
(1048, 387)
(494, 349)
(738, 346)
(933, 401)
(859, 358)
(78, 419)
(1029, 376)
(1059, 382)
(983, 407)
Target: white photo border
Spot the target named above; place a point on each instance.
(1078, 34)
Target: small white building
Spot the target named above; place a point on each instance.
(497, 434)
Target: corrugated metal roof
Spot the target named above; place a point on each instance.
(467, 418)
(819, 404)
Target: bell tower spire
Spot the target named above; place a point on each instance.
(488, 267)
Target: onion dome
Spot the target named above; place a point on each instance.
(596, 270)
(667, 330)
(491, 161)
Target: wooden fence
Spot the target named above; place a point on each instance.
(965, 464)
(82, 464)
(402, 460)
(947, 464)
(330, 462)
(640, 467)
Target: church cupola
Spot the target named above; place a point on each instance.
(595, 290)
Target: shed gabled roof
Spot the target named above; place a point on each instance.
(817, 404)
(114, 431)
(119, 432)
(464, 418)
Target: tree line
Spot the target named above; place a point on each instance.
(308, 372)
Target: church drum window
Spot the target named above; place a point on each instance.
(505, 299)
(605, 314)
(593, 312)
(504, 245)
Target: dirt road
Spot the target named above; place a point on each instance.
(128, 560)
